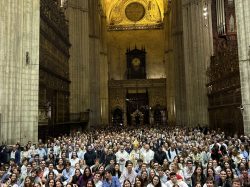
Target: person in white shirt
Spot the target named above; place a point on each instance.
(121, 157)
(188, 172)
(172, 152)
(80, 153)
(97, 179)
(173, 181)
(148, 155)
(57, 148)
(74, 159)
(128, 173)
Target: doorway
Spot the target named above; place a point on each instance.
(117, 117)
(137, 108)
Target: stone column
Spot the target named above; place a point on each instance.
(104, 72)
(197, 52)
(242, 8)
(77, 14)
(94, 60)
(178, 65)
(169, 68)
(19, 70)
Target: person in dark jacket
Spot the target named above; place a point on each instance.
(100, 154)
(109, 156)
(160, 155)
(15, 154)
(223, 180)
(198, 177)
(90, 156)
(4, 154)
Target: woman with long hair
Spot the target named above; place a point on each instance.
(90, 183)
(151, 174)
(230, 174)
(101, 170)
(156, 182)
(144, 176)
(116, 172)
(126, 183)
(28, 182)
(13, 180)
(181, 163)
(198, 176)
(59, 183)
(51, 158)
(138, 181)
(165, 165)
(50, 176)
(60, 166)
(75, 178)
(151, 164)
(74, 159)
(210, 173)
(51, 183)
(86, 176)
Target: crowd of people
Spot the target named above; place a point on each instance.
(140, 157)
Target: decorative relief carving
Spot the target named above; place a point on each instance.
(139, 14)
(135, 11)
(52, 13)
(42, 115)
(157, 96)
(117, 98)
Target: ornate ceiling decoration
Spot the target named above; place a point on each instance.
(135, 11)
(134, 14)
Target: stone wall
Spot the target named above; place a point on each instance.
(19, 70)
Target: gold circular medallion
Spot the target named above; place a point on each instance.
(135, 11)
(136, 63)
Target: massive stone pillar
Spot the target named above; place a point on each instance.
(19, 70)
(94, 61)
(178, 65)
(77, 14)
(242, 8)
(197, 29)
(104, 72)
(169, 67)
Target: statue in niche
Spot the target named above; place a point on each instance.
(231, 24)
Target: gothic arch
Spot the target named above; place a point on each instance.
(109, 5)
